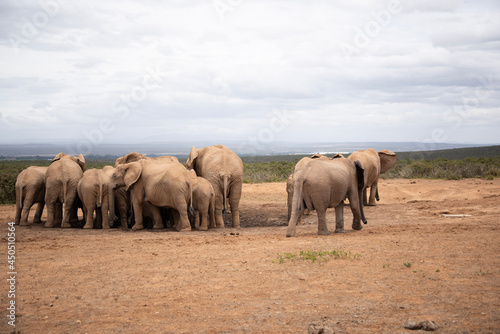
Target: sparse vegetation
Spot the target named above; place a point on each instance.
(277, 168)
(316, 256)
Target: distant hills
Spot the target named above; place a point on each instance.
(415, 150)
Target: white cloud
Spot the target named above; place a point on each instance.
(224, 76)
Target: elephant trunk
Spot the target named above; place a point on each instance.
(111, 204)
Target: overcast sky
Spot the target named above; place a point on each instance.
(273, 70)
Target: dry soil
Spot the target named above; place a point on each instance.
(409, 262)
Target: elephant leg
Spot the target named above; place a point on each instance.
(98, 218)
(322, 228)
(219, 219)
(38, 213)
(51, 214)
(157, 220)
(365, 196)
(58, 213)
(234, 203)
(373, 192)
(183, 224)
(201, 218)
(70, 209)
(122, 204)
(28, 203)
(355, 208)
(196, 219)
(138, 225)
(105, 217)
(88, 212)
(339, 218)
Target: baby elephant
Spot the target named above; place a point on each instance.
(203, 201)
(93, 192)
(324, 184)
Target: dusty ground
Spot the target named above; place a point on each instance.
(229, 281)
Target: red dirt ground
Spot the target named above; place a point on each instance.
(414, 264)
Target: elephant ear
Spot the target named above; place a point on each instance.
(388, 159)
(58, 157)
(193, 155)
(338, 155)
(132, 174)
(360, 174)
(80, 160)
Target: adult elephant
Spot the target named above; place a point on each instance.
(61, 181)
(224, 170)
(291, 181)
(30, 189)
(324, 184)
(161, 184)
(93, 192)
(120, 205)
(374, 163)
(203, 201)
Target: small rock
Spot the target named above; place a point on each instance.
(425, 325)
(319, 329)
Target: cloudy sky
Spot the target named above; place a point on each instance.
(273, 70)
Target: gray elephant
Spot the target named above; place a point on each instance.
(291, 181)
(203, 202)
(30, 189)
(324, 184)
(161, 184)
(374, 163)
(93, 192)
(120, 205)
(61, 181)
(224, 170)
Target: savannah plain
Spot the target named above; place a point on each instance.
(409, 262)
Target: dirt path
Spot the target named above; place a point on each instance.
(413, 263)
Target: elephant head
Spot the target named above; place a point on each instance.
(80, 160)
(131, 157)
(388, 159)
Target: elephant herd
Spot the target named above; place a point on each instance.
(157, 192)
(137, 190)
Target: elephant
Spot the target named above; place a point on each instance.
(93, 192)
(291, 180)
(61, 182)
(323, 184)
(30, 189)
(134, 156)
(161, 184)
(203, 202)
(224, 170)
(119, 205)
(374, 163)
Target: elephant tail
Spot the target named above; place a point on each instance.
(100, 194)
(211, 211)
(224, 198)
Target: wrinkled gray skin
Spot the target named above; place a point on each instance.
(224, 170)
(291, 180)
(203, 202)
(120, 207)
(30, 189)
(324, 184)
(93, 192)
(61, 180)
(161, 184)
(374, 163)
